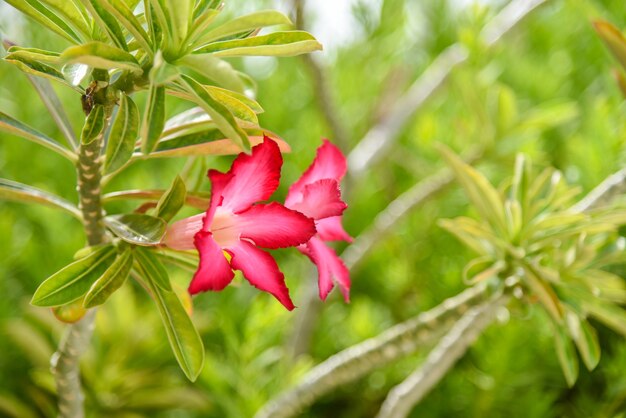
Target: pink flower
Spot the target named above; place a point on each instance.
(317, 195)
(235, 224)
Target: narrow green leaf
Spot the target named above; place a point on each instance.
(246, 23)
(94, 125)
(278, 44)
(586, 339)
(199, 200)
(106, 22)
(125, 16)
(180, 12)
(137, 228)
(173, 200)
(70, 14)
(39, 69)
(545, 293)
(604, 284)
(215, 69)
(238, 108)
(100, 55)
(123, 135)
(162, 72)
(200, 23)
(76, 73)
(609, 314)
(46, 18)
(152, 268)
(17, 128)
(613, 39)
(33, 54)
(11, 190)
(153, 118)
(111, 280)
(74, 280)
(567, 355)
(161, 21)
(181, 332)
(222, 117)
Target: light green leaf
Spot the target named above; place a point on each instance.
(76, 73)
(112, 279)
(153, 118)
(125, 16)
(11, 190)
(219, 113)
(46, 18)
(70, 14)
(245, 23)
(613, 39)
(152, 268)
(199, 200)
(604, 284)
(17, 128)
(180, 13)
(123, 135)
(238, 108)
(162, 72)
(208, 143)
(33, 54)
(38, 69)
(586, 339)
(181, 332)
(545, 293)
(94, 125)
(172, 201)
(610, 315)
(215, 69)
(100, 55)
(74, 280)
(137, 228)
(279, 44)
(567, 355)
(106, 22)
(199, 25)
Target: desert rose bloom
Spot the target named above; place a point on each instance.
(234, 223)
(317, 195)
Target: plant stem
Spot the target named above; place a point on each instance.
(66, 361)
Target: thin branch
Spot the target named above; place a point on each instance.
(381, 136)
(359, 360)
(402, 398)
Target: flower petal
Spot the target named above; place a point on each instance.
(261, 270)
(180, 234)
(219, 181)
(274, 226)
(329, 163)
(254, 177)
(330, 229)
(321, 199)
(330, 268)
(214, 272)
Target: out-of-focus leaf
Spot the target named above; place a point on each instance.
(100, 55)
(549, 115)
(586, 339)
(222, 117)
(74, 280)
(620, 78)
(471, 233)
(123, 135)
(17, 128)
(214, 69)
(106, 22)
(181, 332)
(46, 18)
(183, 260)
(545, 294)
(152, 268)
(613, 39)
(245, 23)
(11, 190)
(567, 355)
(125, 16)
(197, 200)
(172, 201)
(153, 118)
(610, 315)
(70, 313)
(605, 285)
(94, 125)
(278, 44)
(137, 228)
(111, 280)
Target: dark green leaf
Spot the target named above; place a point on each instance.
(153, 118)
(74, 280)
(172, 200)
(123, 135)
(137, 228)
(152, 268)
(10, 190)
(279, 44)
(100, 55)
(94, 125)
(111, 280)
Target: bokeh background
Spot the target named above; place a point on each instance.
(545, 88)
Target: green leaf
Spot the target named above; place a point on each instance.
(11, 190)
(152, 268)
(610, 315)
(215, 69)
(245, 23)
(586, 339)
(33, 54)
(237, 107)
(112, 279)
(567, 355)
(180, 13)
(123, 135)
(125, 16)
(199, 200)
(172, 200)
(74, 280)
(219, 113)
(38, 69)
(200, 23)
(70, 14)
(137, 228)
(106, 22)
(100, 55)
(279, 44)
(76, 73)
(17, 128)
(46, 18)
(613, 39)
(181, 332)
(162, 72)
(94, 125)
(153, 118)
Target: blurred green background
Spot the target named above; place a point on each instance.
(545, 89)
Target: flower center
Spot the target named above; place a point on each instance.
(224, 228)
